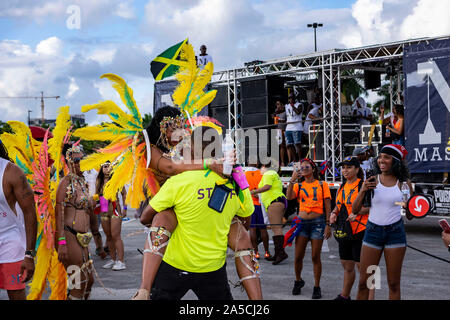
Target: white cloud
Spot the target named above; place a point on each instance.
(51, 46)
(73, 88)
(429, 18)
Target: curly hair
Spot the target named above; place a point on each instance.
(153, 129)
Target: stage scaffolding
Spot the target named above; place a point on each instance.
(327, 66)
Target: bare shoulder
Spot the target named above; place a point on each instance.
(14, 174)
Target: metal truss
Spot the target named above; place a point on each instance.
(329, 64)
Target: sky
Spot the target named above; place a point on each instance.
(63, 47)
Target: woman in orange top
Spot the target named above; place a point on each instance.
(397, 132)
(315, 205)
(350, 244)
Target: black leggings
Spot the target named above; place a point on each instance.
(172, 284)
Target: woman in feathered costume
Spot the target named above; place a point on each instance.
(133, 149)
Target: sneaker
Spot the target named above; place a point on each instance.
(119, 266)
(316, 293)
(298, 285)
(257, 255)
(340, 297)
(267, 255)
(109, 264)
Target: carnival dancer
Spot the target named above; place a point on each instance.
(74, 212)
(111, 219)
(139, 149)
(314, 199)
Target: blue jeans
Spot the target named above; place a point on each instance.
(390, 236)
(313, 228)
(293, 137)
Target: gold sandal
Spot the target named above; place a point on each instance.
(141, 294)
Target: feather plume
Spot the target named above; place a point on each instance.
(126, 94)
(55, 144)
(189, 95)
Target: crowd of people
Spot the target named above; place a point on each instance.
(196, 212)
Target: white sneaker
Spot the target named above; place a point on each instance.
(109, 265)
(119, 266)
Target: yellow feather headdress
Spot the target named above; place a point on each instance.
(126, 149)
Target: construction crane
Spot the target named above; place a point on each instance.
(42, 102)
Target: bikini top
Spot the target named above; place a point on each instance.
(77, 194)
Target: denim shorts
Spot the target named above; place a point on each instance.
(313, 228)
(390, 236)
(293, 137)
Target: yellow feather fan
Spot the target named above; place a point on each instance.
(126, 147)
(55, 144)
(189, 95)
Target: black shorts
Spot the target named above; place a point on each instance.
(172, 284)
(351, 249)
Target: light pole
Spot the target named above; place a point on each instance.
(315, 25)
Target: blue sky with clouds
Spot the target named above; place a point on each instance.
(38, 52)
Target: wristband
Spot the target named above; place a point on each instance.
(62, 243)
(124, 207)
(205, 166)
(62, 238)
(29, 256)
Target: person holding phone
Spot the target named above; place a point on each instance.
(385, 231)
(314, 199)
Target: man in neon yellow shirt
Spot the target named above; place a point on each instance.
(196, 253)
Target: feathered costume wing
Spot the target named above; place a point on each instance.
(33, 158)
(126, 150)
(22, 148)
(48, 267)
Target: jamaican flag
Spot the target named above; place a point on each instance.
(168, 62)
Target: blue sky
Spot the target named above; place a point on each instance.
(38, 52)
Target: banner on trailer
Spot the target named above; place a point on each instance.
(426, 67)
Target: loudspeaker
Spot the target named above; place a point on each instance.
(351, 133)
(316, 144)
(220, 114)
(365, 133)
(372, 79)
(221, 98)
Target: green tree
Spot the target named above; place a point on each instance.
(351, 85)
(4, 127)
(146, 120)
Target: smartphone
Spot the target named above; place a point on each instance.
(444, 225)
(219, 197)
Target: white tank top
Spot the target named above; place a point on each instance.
(384, 211)
(12, 227)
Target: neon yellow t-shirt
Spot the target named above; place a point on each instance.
(199, 242)
(270, 177)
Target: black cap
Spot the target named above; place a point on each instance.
(350, 161)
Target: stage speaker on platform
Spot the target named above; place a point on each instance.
(372, 79)
(316, 143)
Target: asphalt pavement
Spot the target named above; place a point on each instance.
(423, 277)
